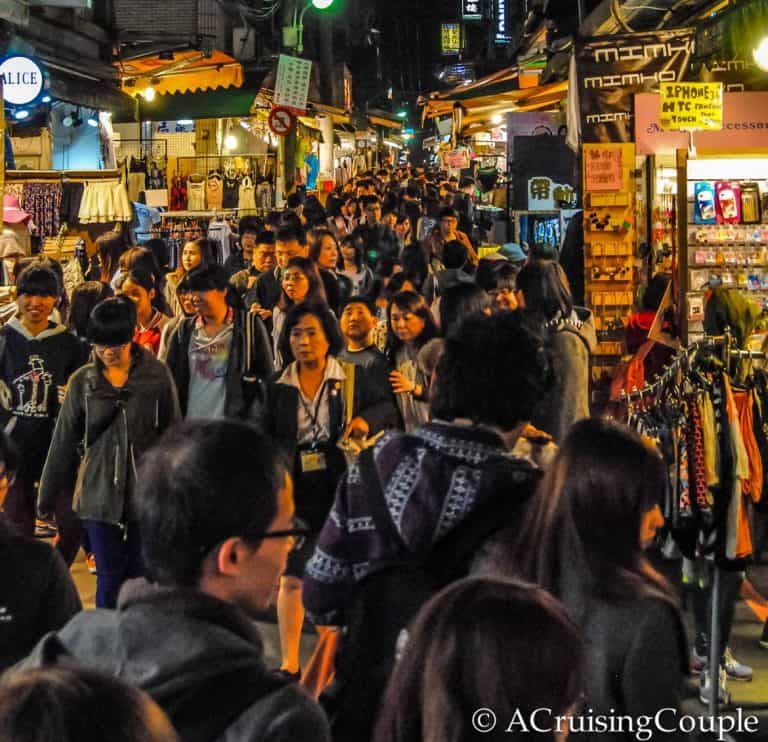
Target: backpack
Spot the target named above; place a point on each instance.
(630, 373)
(375, 629)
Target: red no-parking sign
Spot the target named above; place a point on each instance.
(281, 121)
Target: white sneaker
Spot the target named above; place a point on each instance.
(705, 688)
(734, 669)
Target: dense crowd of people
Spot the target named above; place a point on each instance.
(357, 419)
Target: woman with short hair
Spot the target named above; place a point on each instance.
(116, 407)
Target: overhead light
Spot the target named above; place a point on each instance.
(149, 94)
(68, 120)
(230, 141)
(401, 114)
(322, 4)
(92, 121)
(185, 122)
(497, 118)
(46, 99)
(761, 54)
(21, 115)
(245, 124)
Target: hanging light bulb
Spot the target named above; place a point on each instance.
(92, 121)
(230, 142)
(496, 119)
(761, 54)
(149, 94)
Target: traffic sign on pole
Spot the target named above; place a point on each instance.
(281, 121)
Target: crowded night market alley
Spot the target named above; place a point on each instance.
(383, 371)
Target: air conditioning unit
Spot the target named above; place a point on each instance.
(243, 43)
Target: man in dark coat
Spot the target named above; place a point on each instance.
(37, 594)
(215, 557)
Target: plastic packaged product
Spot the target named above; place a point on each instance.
(750, 203)
(704, 201)
(728, 202)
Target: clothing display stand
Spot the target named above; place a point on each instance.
(668, 378)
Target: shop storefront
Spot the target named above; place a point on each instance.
(61, 185)
(712, 184)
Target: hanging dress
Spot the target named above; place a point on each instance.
(214, 192)
(246, 202)
(196, 194)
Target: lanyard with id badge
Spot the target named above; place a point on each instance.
(314, 459)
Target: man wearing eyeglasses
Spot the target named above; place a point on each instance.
(216, 518)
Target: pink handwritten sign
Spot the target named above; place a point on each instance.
(603, 169)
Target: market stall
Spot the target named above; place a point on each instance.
(711, 185)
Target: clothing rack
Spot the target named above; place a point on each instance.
(669, 376)
(61, 175)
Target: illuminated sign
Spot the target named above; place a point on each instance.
(501, 35)
(471, 10)
(22, 80)
(450, 38)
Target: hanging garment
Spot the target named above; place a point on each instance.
(196, 195)
(231, 192)
(105, 201)
(214, 192)
(738, 537)
(179, 195)
(221, 234)
(709, 438)
(71, 198)
(42, 201)
(246, 202)
(137, 184)
(264, 196)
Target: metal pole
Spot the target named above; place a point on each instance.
(714, 646)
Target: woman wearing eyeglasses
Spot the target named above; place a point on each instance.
(306, 417)
(115, 409)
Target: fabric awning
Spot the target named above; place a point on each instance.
(212, 104)
(188, 71)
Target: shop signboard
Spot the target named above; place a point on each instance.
(292, 84)
(22, 80)
(546, 195)
(501, 22)
(450, 38)
(471, 10)
(603, 169)
(612, 70)
(692, 106)
(745, 126)
(457, 159)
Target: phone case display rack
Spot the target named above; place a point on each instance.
(733, 255)
(610, 273)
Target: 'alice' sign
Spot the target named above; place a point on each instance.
(22, 80)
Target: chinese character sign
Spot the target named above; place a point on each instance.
(471, 10)
(450, 37)
(292, 85)
(692, 106)
(546, 195)
(603, 169)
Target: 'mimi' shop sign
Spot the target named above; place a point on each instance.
(22, 80)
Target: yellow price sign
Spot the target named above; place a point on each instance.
(692, 106)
